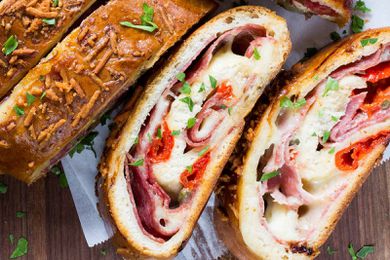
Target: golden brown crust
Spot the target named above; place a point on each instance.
(302, 78)
(75, 59)
(26, 21)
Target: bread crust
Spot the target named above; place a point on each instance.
(81, 78)
(303, 77)
(111, 163)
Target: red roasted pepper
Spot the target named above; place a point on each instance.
(189, 179)
(161, 148)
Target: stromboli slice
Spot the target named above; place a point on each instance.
(37, 26)
(66, 92)
(338, 11)
(312, 149)
(159, 169)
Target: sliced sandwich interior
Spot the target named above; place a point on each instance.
(338, 11)
(162, 167)
(314, 147)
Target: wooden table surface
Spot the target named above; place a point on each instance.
(53, 230)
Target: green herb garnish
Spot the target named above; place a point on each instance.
(30, 99)
(202, 87)
(357, 24)
(19, 111)
(51, 21)
(3, 188)
(20, 214)
(213, 81)
(285, 102)
(330, 250)
(175, 132)
(364, 251)
(204, 150)
(43, 95)
(159, 134)
(368, 41)
(335, 118)
(331, 85)
(55, 3)
(137, 163)
(191, 122)
(332, 150)
(21, 248)
(256, 54)
(11, 239)
(58, 171)
(181, 76)
(147, 23)
(269, 175)
(10, 45)
(189, 168)
(185, 89)
(136, 140)
(103, 252)
(361, 6)
(229, 111)
(335, 36)
(189, 102)
(325, 136)
(86, 143)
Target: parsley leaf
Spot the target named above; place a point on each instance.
(256, 54)
(86, 143)
(3, 188)
(230, 110)
(204, 150)
(159, 134)
(285, 102)
(137, 163)
(51, 21)
(331, 85)
(189, 102)
(43, 95)
(19, 111)
(106, 116)
(335, 118)
(181, 76)
(20, 214)
(335, 36)
(30, 99)
(202, 87)
(103, 252)
(332, 150)
(357, 24)
(10, 45)
(269, 175)
(364, 251)
(213, 81)
(325, 136)
(21, 248)
(58, 171)
(147, 23)
(367, 41)
(186, 88)
(351, 252)
(361, 6)
(191, 122)
(175, 132)
(189, 169)
(11, 239)
(55, 3)
(330, 250)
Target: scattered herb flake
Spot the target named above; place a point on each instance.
(3, 188)
(295, 142)
(175, 132)
(189, 102)
(325, 136)
(103, 252)
(229, 111)
(335, 36)
(314, 134)
(191, 122)
(30, 99)
(137, 163)
(351, 252)
(181, 76)
(43, 95)
(335, 118)
(42, 78)
(86, 143)
(213, 81)
(202, 87)
(55, 3)
(316, 77)
(136, 140)
(331, 85)
(147, 23)
(19, 111)
(106, 116)
(149, 137)
(256, 54)
(159, 134)
(364, 251)
(361, 6)
(204, 150)
(11, 239)
(357, 24)
(285, 102)
(21, 248)
(62, 180)
(330, 250)
(51, 21)
(332, 150)
(20, 214)
(186, 88)
(367, 41)
(10, 45)
(269, 175)
(56, 170)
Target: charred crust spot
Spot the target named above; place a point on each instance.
(229, 20)
(301, 249)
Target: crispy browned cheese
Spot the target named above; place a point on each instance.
(81, 77)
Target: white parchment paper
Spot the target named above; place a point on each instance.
(81, 169)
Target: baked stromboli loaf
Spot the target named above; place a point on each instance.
(66, 92)
(311, 151)
(159, 170)
(36, 26)
(338, 11)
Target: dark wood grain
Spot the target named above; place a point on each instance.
(54, 232)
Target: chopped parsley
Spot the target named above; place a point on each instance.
(106, 116)
(21, 248)
(335, 118)
(3, 188)
(269, 175)
(202, 87)
(10, 45)
(325, 136)
(149, 137)
(385, 104)
(55, 3)
(43, 95)
(159, 134)
(316, 77)
(175, 132)
(137, 163)
(51, 21)
(330, 250)
(213, 81)
(136, 140)
(256, 54)
(314, 134)
(335, 36)
(332, 150)
(189, 102)
(357, 24)
(181, 76)
(86, 143)
(103, 252)
(30, 99)
(186, 88)
(189, 168)
(147, 23)
(229, 111)
(286, 102)
(204, 150)
(295, 142)
(331, 85)
(58, 171)
(368, 41)
(361, 6)
(19, 111)
(191, 122)
(42, 78)
(20, 214)
(11, 239)
(361, 253)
